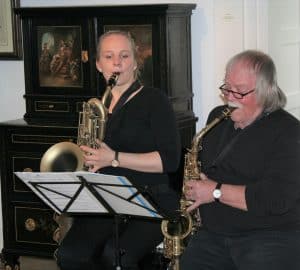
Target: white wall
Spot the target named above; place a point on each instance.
(284, 31)
(220, 28)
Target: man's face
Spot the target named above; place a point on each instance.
(241, 79)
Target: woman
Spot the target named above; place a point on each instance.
(141, 143)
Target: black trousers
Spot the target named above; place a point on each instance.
(259, 250)
(90, 243)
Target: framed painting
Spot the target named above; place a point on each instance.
(59, 56)
(10, 31)
(142, 35)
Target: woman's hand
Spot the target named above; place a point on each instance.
(96, 159)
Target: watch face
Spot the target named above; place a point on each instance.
(217, 193)
(115, 163)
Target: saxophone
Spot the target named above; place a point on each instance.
(176, 232)
(67, 156)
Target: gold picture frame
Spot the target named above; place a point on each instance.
(10, 31)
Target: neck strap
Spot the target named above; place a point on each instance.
(134, 87)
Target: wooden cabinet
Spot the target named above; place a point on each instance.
(54, 97)
(28, 224)
(60, 48)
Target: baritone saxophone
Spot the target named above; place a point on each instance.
(176, 232)
(67, 156)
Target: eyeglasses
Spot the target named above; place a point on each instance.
(225, 91)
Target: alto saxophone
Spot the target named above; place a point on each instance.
(67, 156)
(176, 232)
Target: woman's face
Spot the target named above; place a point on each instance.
(116, 55)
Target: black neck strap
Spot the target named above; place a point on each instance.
(134, 87)
(226, 149)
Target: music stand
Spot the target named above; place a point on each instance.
(92, 193)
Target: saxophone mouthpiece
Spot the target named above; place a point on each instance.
(113, 79)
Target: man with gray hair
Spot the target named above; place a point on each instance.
(249, 193)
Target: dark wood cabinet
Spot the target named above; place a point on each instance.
(28, 225)
(54, 93)
(53, 100)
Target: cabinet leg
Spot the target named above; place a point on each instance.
(10, 262)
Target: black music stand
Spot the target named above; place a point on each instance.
(81, 193)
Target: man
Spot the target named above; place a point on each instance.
(249, 193)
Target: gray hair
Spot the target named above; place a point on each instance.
(269, 95)
(129, 38)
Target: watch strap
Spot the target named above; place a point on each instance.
(218, 186)
(117, 155)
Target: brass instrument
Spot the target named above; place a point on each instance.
(176, 232)
(67, 156)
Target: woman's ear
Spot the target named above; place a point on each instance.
(98, 66)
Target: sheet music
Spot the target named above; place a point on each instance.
(58, 195)
(58, 190)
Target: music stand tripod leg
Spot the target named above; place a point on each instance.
(118, 251)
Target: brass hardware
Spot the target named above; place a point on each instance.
(27, 170)
(56, 235)
(84, 56)
(30, 224)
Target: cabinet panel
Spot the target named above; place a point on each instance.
(34, 226)
(28, 225)
(21, 163)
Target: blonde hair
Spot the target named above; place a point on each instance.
(131, 40)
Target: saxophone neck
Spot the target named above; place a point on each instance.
(224, 114)
(107, 96)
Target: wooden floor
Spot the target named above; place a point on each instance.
(33, 263)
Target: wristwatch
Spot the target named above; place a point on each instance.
(115, 162)
(217, 193)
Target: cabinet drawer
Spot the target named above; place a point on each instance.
(34, 225)
(22, 163)
(51, 106)
(39, 139)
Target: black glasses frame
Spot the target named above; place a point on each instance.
(237, 95)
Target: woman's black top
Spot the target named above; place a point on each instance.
(265, 156)
(144, 124)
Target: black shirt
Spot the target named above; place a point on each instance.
(144, 124)
(265, 156)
